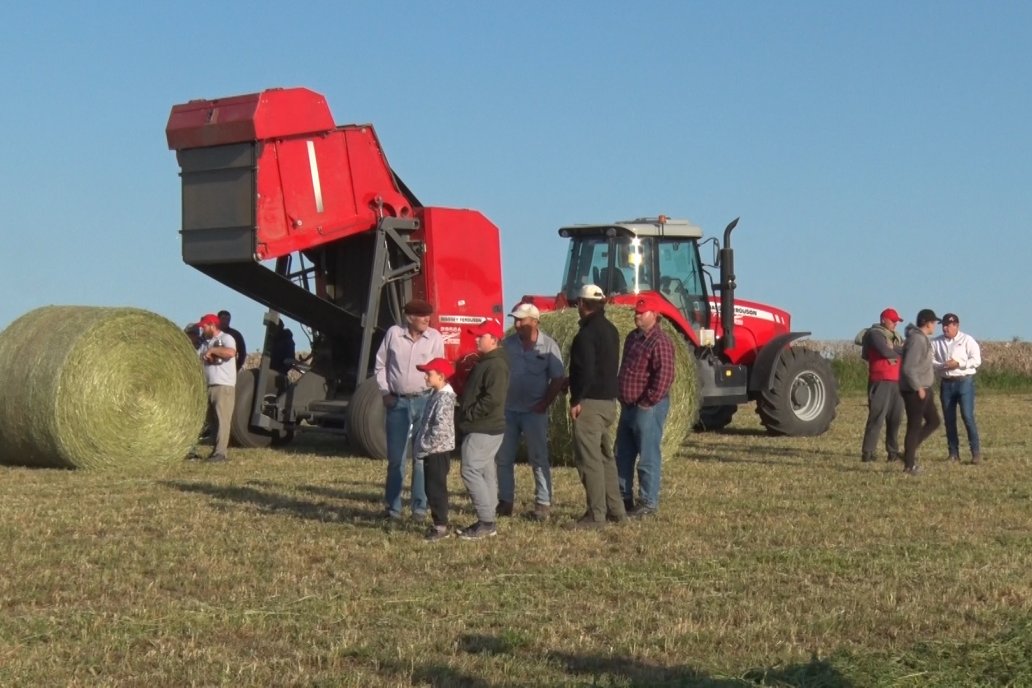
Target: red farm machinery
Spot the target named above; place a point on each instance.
(308, 219)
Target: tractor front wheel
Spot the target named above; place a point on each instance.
(367, 432)
(803, 398)
(715, 417)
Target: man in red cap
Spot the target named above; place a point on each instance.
(646, 374)
(218, 354)
(883, 351)
(482, 420)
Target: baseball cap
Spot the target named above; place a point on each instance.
(489, 326)
(418, 307)
(926, 315)
(438, 365)
(950, 319)
(592, 292)
(646, 303)
(209, 319)
(891, 314)
(526, 310)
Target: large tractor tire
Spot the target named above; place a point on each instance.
(715, 417)
(367, 434)
(804, 397)
(240, 432)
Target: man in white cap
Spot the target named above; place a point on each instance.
(536, 377)
(594, 364)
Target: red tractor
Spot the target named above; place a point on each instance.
(750, 360)
(309, 219)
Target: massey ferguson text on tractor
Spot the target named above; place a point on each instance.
(309, 219)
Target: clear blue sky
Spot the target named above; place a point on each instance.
(879, 153)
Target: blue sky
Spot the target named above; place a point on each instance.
(878, 153)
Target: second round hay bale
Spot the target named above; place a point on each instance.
(87, 387)
(563, 325)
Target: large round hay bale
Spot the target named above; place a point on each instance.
(84, 387)
(562, 326)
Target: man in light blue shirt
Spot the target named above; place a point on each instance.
(536, 377)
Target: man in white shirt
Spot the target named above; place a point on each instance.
(956, 357)
(218, 354)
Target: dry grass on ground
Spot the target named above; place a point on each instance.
(775, 561)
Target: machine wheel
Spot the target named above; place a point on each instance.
(241, 434)
(366, 416)
(803, 398)
(715, 417)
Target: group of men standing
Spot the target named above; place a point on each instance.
(901, 378)
(506, 398)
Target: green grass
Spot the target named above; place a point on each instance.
(774, 561)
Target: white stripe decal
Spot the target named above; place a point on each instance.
(316, 186)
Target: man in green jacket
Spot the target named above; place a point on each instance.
(482, 420)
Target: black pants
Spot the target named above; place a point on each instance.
(435, 473)
(922, 420)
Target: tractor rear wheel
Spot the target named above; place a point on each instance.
(241, 432)
(367, 433)
(715, 417)
(803, 398)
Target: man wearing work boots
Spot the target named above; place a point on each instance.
(915, 382)
(883, 350)
(218, 354)
(536, 377)
(646, 374)
(594, 363)
(482, 419)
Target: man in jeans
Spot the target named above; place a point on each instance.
(646, 374)
(536, 377)
(404, 391)
(956, 357)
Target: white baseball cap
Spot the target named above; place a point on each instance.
(592, 292)
(526, 310)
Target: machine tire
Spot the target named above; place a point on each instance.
(240, 433)
(715, 417)
(803, 399)
(367, 433)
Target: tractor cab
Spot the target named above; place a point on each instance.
(649, 254)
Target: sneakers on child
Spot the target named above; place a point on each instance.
(435, 533)
(478, 531)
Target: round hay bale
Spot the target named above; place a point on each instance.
(563, 325)
(84, 387)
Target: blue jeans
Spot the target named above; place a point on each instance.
(954, 392)
(639, 435)
(401, 423)
(534, 427)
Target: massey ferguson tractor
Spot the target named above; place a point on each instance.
(308, 219)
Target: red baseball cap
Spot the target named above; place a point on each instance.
(209, 319)
(647, 303)
(438, 365)
(891, 314)
(489, 326)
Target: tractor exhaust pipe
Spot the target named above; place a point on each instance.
(727, 288)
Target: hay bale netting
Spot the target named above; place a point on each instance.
(84, 387)
(684, 397)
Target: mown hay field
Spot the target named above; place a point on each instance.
(774, 561)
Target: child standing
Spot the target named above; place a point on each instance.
(434, 442)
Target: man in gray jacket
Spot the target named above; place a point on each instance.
(915, 382)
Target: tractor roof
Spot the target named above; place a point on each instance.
(643, 226)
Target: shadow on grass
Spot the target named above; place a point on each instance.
(275, 503)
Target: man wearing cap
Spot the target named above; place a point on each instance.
(594, 363)
(646, 374)
(956, 357)
(482, 419)
(404, 393)
(218, 354)
(536, 377)
(915, 382)
(883, 351)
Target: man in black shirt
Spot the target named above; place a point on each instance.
(594, 364)
(241, 349)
